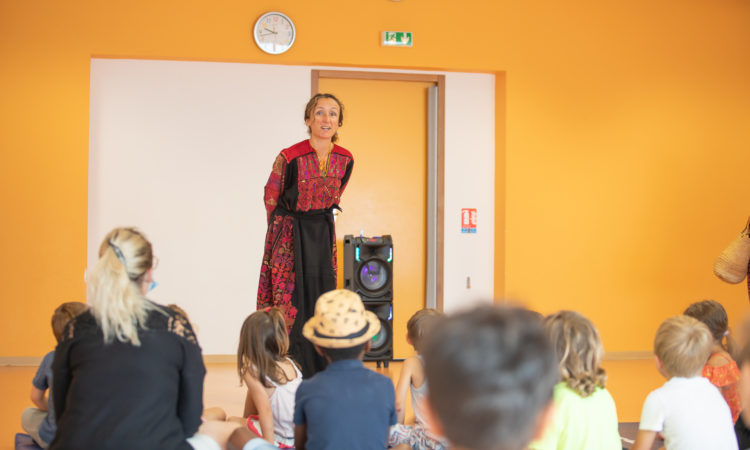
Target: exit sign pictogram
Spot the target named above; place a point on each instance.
(397, 39)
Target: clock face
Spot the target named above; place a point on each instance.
(274, 33)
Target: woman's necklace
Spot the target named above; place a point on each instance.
(323, 159)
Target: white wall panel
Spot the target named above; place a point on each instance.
(469, 183)
(183, 149)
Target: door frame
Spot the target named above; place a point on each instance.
(439, 81)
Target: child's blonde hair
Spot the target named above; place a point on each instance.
(419, 324)
(715, 317)
(263, 345)
(578, 349)
(683, 344)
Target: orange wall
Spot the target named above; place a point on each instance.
(625, 155)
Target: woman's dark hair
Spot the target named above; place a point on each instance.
(311, 106)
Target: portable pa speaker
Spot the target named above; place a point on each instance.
(368, 267)
(368, 271)
(381, 345)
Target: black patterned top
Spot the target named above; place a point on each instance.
(119, 396)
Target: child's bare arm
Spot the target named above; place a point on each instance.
(256, 393)
(249, 406)
(644, 440)
(300, 436)
(402, 387)
(39, 399)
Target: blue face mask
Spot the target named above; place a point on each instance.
(152, 286)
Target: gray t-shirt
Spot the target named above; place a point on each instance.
(43, 381)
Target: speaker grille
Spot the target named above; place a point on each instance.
(373, 275)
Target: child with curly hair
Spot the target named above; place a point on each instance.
(585, 413)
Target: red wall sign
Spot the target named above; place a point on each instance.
(468, 220)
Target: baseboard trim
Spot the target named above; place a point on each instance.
(220, 359)
(625, 356)
(22, 361)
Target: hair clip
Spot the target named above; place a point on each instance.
(119, 254)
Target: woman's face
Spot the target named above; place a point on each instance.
(324, 120)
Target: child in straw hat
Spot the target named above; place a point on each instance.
(346, 405)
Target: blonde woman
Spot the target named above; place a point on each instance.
(128, 373)
(585, 414)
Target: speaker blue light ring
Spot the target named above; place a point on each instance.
(370, 282)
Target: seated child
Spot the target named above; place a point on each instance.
(39, 422)
(721, 370)
(491, 372)
(270, 375)
(687, 410)
(585, 413)
(412, 379)
(346, 406)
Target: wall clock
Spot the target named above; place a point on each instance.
(274, 33)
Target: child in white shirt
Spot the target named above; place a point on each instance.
(688, 410)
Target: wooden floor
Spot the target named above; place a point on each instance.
(629, 382)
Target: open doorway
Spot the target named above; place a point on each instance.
(393, 126)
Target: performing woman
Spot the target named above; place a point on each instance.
(299, 259)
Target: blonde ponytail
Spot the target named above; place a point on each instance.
(114, 285)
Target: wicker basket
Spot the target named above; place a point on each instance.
(732, 265)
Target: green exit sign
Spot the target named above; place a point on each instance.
(397, 39)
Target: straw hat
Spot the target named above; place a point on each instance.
(340, 321)
(732, 264)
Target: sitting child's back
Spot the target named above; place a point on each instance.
(346, 406)
(691, 414)
(491, 372)
(271, 377)
(40, 421)
(585, 413)
(412, 379)
(688, 410)
(721, 369)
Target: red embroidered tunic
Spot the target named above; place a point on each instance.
(299, 258)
